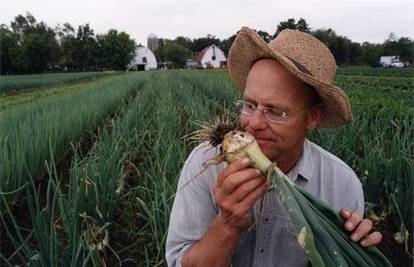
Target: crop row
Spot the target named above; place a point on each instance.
(25, 82)
(383, 72)
(30, 134)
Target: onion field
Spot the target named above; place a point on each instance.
(13, 83)
(88, 177)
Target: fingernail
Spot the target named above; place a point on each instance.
(245, 161)
(348, 225)
(354, 237)
(258, 171)
(346, 213)
(363, 242)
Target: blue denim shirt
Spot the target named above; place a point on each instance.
(272, 241)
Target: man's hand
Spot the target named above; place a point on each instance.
(236, 190)
(360, 228)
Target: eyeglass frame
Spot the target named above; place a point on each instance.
(240, 104)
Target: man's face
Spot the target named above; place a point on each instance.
(269, 85)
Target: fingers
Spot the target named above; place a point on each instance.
(237, 175)
(345, 213)
(352, 221)
(244, 206)
(236, 190)
(246, 188)
(372, 239)
(251, 198)
(360, 228)
(239, 180)
(232, 168)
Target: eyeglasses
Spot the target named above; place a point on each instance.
(271, 114)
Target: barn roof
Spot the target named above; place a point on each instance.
(200, 55)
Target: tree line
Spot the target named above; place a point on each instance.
(29, 46)
(345, 51)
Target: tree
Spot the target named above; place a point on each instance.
(301, 25)
(38, 52)
(371, 53)
(406, 47)
(226, 44)
(402, 47)
(201, 43)
(265, 35)
(22, 25)
(116, 50)
(85, 55)
(67, 41)
(157, 53)
(184, 41)
(8, 45)
(37, 48)
(340, 46)
(176, 53)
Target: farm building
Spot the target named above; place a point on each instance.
(192, 64)
(152, 42)
(144, 59)
(211, 57)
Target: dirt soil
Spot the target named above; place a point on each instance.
(395, 252)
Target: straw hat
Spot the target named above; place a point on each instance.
(301, 54)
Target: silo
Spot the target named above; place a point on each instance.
(152, 42)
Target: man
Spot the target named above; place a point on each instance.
(287, 91)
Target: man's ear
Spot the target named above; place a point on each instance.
(315, 116)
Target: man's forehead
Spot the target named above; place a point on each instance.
(264, 66)
(270, 70)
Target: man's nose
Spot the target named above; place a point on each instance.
(257, 120)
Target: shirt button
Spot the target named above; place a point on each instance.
(262, 250)
(266, 219)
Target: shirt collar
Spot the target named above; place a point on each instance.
(304, 166)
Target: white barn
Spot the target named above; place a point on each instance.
(211, 57)
(144, 59)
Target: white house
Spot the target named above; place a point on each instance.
(211, 57)
(144, 59)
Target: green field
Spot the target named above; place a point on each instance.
(15, 83)
(88, 175)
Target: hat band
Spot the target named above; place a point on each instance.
(300, 66)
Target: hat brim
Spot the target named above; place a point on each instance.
(249, 47)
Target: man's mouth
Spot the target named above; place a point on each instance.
(263, 138)
(262, 141)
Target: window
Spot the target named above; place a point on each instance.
(213, 58)
(144, 59)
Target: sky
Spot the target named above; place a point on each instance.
(359, 20)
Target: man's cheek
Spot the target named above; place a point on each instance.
(244, 121)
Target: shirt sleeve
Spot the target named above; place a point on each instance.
(193, 208)
(354, 199)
